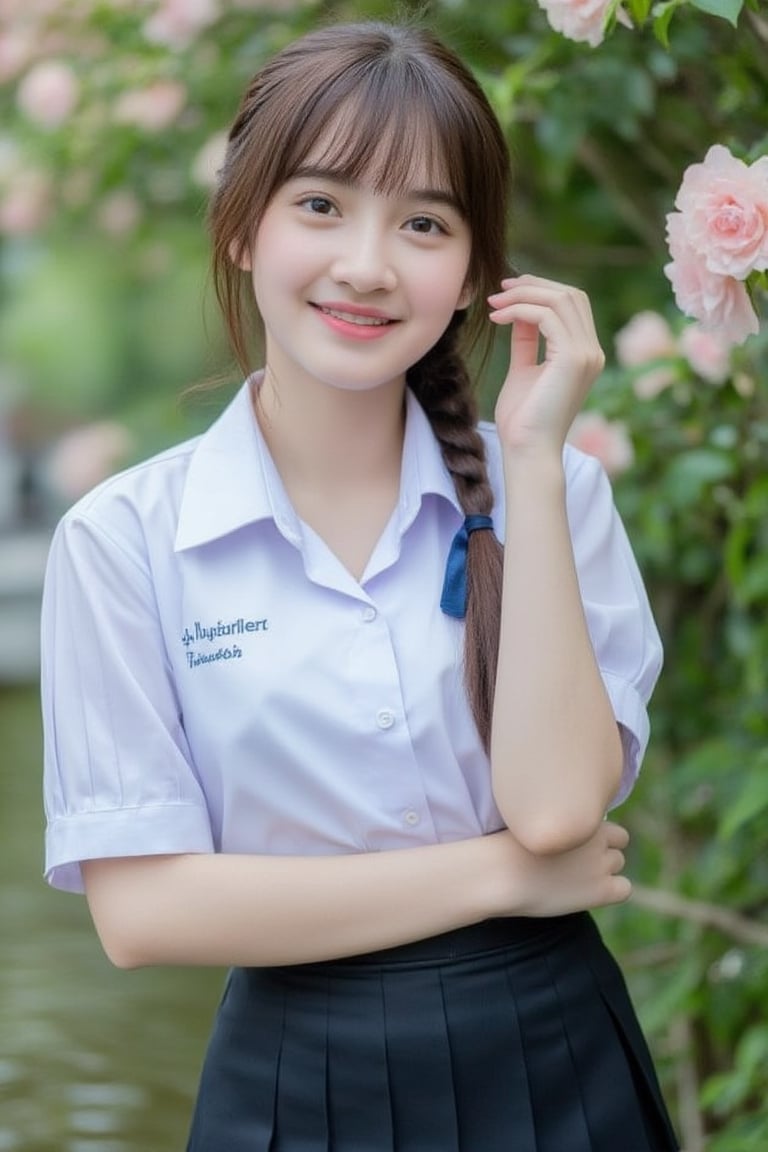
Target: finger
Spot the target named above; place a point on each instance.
(622, 889)
(618, 836)
(571, 303)
(525, 344)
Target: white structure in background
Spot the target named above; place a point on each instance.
(23, 552)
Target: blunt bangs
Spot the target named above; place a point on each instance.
(381, 132)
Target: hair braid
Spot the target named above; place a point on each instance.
(442, 385)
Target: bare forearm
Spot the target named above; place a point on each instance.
(556, 752)
(262, 910)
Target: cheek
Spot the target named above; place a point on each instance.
(442, 292)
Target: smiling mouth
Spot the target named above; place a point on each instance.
(355, 318)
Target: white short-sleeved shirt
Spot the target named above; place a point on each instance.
(215, 680)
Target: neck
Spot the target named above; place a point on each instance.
(328, 436)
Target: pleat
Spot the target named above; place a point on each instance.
(559, 1121)
(419, 1061)
(301, 1115)
(360, 1107)
(490, 1078)
(236, 1098)
(653, 1121)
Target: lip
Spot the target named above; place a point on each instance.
(355, 321)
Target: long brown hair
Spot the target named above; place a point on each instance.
(405, 96)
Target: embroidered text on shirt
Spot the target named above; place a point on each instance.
(221, 628)
(200, 633)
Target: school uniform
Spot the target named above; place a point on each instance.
(214, 680)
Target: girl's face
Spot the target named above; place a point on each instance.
(354, 286)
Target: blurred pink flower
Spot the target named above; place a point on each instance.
(152, 108)
(605, 439)
(119, 213)
(175, 23)
(645, 338)
(48, 94)
(719, 303)
(206, 165)
(15, 51)
(724, 207)
(85, 456)
(707, 353)
(25, 203)
(581, 20)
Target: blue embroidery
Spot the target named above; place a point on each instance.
(200, 633)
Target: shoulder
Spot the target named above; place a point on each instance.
(135, 508)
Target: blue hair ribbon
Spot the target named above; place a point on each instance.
(454, 598)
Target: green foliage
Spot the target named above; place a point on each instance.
(600, 140)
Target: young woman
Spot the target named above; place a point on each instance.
(304, 718)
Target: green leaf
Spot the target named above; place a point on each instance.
(727, 9)
(751, 802)
(662, 15)
(692, 472)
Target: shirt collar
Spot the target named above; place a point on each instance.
(232, 480)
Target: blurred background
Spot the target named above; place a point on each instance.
(112, 115)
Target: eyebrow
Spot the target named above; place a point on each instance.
(435, 195)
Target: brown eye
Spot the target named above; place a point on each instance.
(318, 205)
(425, 226)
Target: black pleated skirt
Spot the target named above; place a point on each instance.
(514, 1035)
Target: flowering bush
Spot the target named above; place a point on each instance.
(657, 358)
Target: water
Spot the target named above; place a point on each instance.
(92, 1059)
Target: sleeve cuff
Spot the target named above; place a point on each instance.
(166, 829)
(632, 716)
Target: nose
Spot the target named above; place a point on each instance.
(364, 260)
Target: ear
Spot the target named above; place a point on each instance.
(466, 298)
(240, 255)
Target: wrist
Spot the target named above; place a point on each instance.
(538, 467)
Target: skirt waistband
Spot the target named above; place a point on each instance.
(524, 932)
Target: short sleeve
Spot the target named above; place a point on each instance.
(118, 775)
(623, 632)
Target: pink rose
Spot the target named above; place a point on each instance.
(645, 338)
(707, 353)
(48, 93)
(607, 440)
(152, 108)
(581, 20)
(177, 22)
(724, 205)
(719, 303)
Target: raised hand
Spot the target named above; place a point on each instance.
(555, 358)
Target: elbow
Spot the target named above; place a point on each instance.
(549, 825)
(553, 833)
(122, 948)
(124, 913)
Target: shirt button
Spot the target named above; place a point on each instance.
(385, 718)
(369, 613)
(411, 817)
